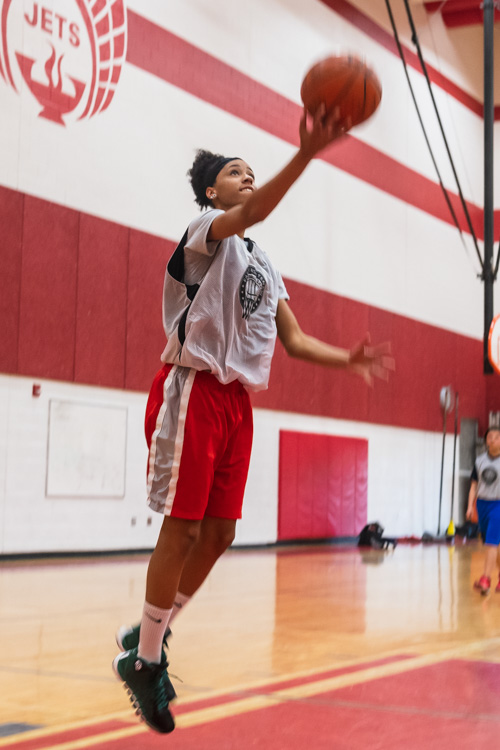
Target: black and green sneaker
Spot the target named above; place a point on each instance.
(149, 688)
(127, 637)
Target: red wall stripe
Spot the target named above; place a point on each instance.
(101, 316)
(377, 169)
(66, 324)
(460, 13)
(47, 318)
(176, 61)
(11, 239)
(145, 338)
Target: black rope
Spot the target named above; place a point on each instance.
(415, 41)
(496, 6)
(401, 54)
(497, 264)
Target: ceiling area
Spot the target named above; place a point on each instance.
(460, 12)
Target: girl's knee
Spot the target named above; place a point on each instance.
(179, 533)
(219, 533)
(225, 540)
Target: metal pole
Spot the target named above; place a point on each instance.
(454, 458)
(489, 119)
(445, 413)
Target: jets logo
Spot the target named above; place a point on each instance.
(252, 287)
(65, 56)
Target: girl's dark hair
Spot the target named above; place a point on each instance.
(198, 173)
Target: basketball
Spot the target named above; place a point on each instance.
(343, 81)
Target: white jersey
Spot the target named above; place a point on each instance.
(230, 327)
(486, 473)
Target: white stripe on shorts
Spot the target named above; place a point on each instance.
(168, 439)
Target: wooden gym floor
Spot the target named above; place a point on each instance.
(324, 647)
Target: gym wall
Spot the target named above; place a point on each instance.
(94, 198)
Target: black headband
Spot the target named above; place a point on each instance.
(215, 167)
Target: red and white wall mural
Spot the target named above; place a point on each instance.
(69, 55)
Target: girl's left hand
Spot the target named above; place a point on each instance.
(371, 361)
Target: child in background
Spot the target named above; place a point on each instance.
(485, 495)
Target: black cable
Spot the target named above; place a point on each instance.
(486, 8)
(401, 54)
(497, 264)
(415, 41)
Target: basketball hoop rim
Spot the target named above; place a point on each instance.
(495, 365)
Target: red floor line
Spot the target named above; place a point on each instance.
(441, 706)
(285, 684)
(94, 730)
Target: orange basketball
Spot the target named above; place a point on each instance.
(345, 82)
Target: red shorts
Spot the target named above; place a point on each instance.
(199, 434)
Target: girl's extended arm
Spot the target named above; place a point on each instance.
(362, 359)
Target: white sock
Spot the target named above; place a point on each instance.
(153, 625)
(180, 602)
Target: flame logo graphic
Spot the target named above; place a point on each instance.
(55, 103)
(49, 68)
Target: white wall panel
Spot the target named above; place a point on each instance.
(275, 43)
(403, 476)
(33, 522)
(441, 278)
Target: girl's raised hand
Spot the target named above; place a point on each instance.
(319, 130)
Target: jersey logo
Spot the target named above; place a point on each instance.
(489, 476)
(63, 57)
(252, 288)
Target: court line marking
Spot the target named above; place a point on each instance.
(308, 690)
(203, 695)
(254, 703)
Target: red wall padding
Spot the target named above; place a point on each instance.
(49, 269)
(81, 296)
(323, 483)
(81, 302)
(101, 310)
(145, 338)
(11, 239)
